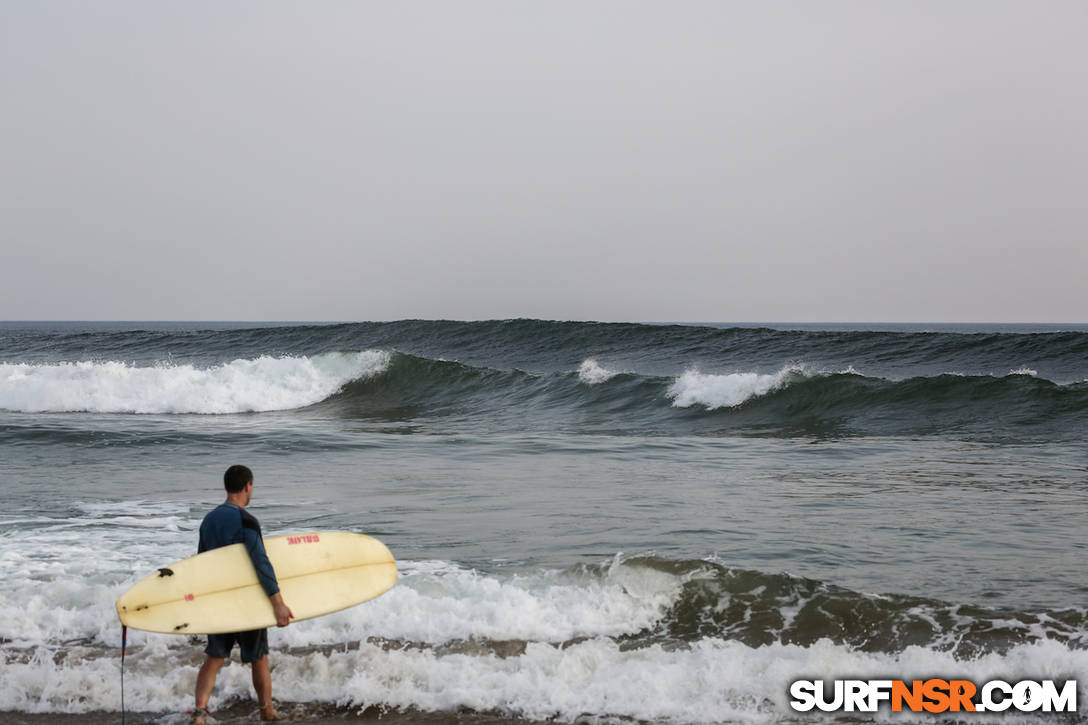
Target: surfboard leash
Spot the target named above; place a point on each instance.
(124, 645)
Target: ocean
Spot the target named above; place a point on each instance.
(594, 522)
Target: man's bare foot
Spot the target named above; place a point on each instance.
(199, 716)
(269, 714)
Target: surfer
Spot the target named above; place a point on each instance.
(230, 523)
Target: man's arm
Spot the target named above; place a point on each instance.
(282, 612)
(266, 575)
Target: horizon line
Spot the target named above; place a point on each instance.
(539, 319)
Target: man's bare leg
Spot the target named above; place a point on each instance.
(205, 681)
(262, 683)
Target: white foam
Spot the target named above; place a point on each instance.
(461, 604)
(60, 576)
(1024, 370)
(726, 391)
(58, 585)
(252, 385)
(713, 680)
(591, 373)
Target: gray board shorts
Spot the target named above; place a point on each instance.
(253, 644)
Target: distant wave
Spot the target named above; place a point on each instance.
(394, 386)
(261, 384)
(549, 346)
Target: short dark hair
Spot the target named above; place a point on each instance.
(236, 478)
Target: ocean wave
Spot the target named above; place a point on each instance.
(428, 384)
(591, 373)
(550, 346)
(240, 386)
(389, 385)
(761, 608)
(712, 681)
(639, 601)
(642, 637)
(729, 390)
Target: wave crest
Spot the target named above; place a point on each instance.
(240, 386)
(591, 373)
(727, 391)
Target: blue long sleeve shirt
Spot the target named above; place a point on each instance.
(229, 524)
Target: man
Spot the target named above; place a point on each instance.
(227, 524)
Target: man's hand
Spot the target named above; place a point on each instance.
(282, 612)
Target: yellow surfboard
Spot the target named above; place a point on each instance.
(217, 591)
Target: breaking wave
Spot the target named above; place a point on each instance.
(642, 637)
(592, 395)
(240, 386)
(727, 391)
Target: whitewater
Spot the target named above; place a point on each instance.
(539, 644)
(240, 386)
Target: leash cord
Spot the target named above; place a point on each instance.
(124, 643)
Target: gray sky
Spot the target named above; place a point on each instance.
(807, 161)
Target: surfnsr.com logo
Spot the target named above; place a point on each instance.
(934, 695)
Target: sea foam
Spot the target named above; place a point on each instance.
(245, 385)
(726, 391)
(537, 644)
(591, 373)
(713, 680)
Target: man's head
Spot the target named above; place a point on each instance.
(238, 480)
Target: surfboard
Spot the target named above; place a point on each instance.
(218, 591)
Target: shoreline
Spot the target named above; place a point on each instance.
(245, 712)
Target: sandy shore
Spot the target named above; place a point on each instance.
(247, 713)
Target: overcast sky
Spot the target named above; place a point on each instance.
(726, 161)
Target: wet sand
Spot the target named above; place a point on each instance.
(247, 713)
